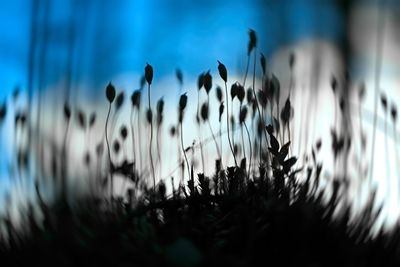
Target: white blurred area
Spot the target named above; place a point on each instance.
(314, 114)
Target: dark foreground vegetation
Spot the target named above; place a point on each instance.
(236, 223)
(274, 214)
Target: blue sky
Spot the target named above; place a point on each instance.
(113, 37)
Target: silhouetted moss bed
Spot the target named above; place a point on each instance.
(278, 216)
(237, 223)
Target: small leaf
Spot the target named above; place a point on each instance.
(270, 129)
(277, 125)
(285, 147)
(274, 143)
(288, 164)
(222, 71)
(285, 113)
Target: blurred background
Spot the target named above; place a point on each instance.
(58, 51)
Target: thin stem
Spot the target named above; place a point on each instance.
(361, 138)
(184, 152)
(247, 70)
(241, 132)
(211, 130)
(159, 148)
(395, 147)
(379, 52)
(290, 94)
(248, 136)
(133, 137)
(151, 141)
(255, 98)
(227, 123)
(108, 149)
(232, 126)
(139, 138)
(215, 140)
(199, 129)
(387, 159)
(220, 139)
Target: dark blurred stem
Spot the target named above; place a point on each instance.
(387, 159)
(232, 126)
(361, 138)
(378, 65)
(133, 137)
(151, 140)
(248, 136)
(184, 152)
(290, 94)
(241, 133)
(159, 148)
(109, 153)
(220, 138)
(396, 148)
(64, 163)
(199, 128)
(139, 139)
(215, 140)
(247, 70)
(212, 132)
(31, 62)
(258, 106)
(227, 124)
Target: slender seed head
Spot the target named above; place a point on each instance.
(207, 80)
(148, 73)
(222, 71)
(110, 92)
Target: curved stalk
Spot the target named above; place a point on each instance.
(108, 150)
(151, 141)
(184, 152)
(227, 123)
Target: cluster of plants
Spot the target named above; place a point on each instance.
(263, 210)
